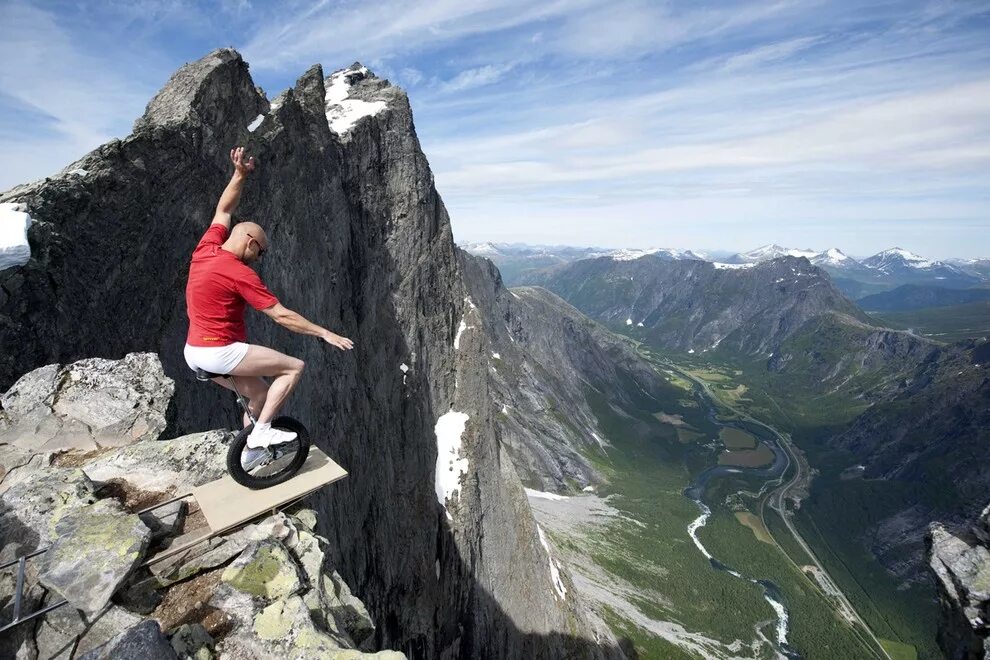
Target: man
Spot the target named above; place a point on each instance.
(220, 282)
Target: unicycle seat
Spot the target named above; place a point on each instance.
(203, 375)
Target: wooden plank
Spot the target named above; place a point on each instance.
(227, 504)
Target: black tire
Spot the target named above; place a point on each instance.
(285, 472)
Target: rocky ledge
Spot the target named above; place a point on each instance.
(961, 562)
(82, 457)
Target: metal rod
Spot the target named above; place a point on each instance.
(27, 556)
(33, 615)
(242, 401)
(161, 504)
(18, 594)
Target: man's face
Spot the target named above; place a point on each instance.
(256, 248)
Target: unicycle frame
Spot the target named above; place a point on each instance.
(240, 397)
(241, 400)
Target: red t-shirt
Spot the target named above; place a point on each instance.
(219, 284)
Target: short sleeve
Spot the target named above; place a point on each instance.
(215, 235)
(253, 290)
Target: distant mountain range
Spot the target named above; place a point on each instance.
(855, 278)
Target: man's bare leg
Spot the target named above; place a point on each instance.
(285, 369)
(253, 388)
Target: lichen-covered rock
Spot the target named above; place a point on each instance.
(175, 465)
(218, 550)
(87, 404)
(192, 642)
(960, 562)
(264, 570)
(144, 641)
(65, 632)
(93, 554)
(31, 508)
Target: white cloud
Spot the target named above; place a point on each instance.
(768, 53)
(87, 101)
(477, 77)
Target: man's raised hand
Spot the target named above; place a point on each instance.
(343, 343)
(241, 165)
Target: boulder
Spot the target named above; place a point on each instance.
(175, 465)
(192, 642)
(88, 404)
(94, 552)
(166, 520)
(264, 570)
(961, 564)
(144, 641)
(218, 550)
(30, 509)
(65, 632)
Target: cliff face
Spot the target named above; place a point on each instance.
(959, 559)
(360, 242)
(548, 362)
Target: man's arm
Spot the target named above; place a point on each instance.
(232, 193)
(297, 323)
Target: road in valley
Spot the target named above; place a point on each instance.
(777, 500)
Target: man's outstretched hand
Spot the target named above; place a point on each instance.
(343, 343)
(241, 165)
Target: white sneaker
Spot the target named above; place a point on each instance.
(252, 458)
(264, 435)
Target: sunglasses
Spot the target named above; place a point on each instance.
(261, 248)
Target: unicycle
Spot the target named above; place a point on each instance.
(278, 463)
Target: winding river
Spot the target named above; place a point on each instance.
(696, 492)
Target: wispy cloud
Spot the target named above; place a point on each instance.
(477, 77)
(670, 120)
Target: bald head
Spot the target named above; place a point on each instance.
(248, 241)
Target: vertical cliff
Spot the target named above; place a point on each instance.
(441, 546)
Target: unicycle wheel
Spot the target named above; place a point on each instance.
(282, 462)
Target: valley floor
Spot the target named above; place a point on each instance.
(632, 553)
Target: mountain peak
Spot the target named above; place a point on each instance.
(773, 251)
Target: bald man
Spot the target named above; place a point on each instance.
(220, 283)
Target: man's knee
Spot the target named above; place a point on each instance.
(298, 368)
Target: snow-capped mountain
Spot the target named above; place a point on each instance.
(835, 258)
(768, 252)
(669, 253)
(895, 258)
(900, 266)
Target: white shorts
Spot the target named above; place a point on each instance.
(215, 359)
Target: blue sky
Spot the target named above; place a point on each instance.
(619, 123)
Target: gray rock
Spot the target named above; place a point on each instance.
(218, 550)
(167, 465)
(192, 642)
(31, 508)
(87, 404)
(961, 565)
(264, 570)
(144, 641)
(66, 633)
(94, 553)
(166, 520)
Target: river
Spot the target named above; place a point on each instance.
(696, 491)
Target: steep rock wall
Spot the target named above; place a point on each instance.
(360, 242)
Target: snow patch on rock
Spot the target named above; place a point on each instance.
(450, 466)
(253, 126)
(14, 247)
(344, 112)
(540, 495)
(558, 584)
